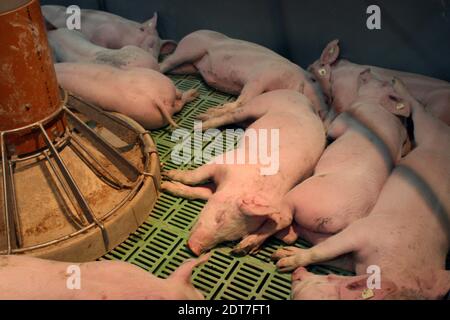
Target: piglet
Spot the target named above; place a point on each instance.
(240, 68)
(405, 238)
(27, 278)
(111, 31)
(73, 46)
(243, 193)
(145, 95)
(338, 79)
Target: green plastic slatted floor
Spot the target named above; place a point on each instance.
(159, 245)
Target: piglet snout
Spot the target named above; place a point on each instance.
(195, 246)
(300, 274)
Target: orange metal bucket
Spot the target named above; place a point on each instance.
(29, 90)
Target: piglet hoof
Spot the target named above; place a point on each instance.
(249, 245)
(217, 111)
(241, 250)
(167, 186)
(173, 125)
(191, 95)
(166, 174)
(202, 117)
(290, 258)
(175, 175)
(283, 252)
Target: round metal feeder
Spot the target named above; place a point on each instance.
(75, 180)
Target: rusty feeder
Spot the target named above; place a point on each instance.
(75, 180)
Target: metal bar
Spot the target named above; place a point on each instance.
(87, 211)
(8, 206)
(5, 193)
(106, 175)
(121, 128)
(33, 125)
(14, 202)
(131, 172)
(80, 222)
(59, 144)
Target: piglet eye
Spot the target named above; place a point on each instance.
(142, 29)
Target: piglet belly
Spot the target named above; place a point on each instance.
(228, 75)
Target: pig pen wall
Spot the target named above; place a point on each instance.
(414, 35)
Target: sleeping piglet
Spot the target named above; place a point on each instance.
(239, 67)
(72, 46)
(111, 31)
(338, 79)
(27, 278)
(242, 194)
(144, 95)
(400, 248)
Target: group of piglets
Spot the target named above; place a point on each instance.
(113, 63)
(363, 161)
(375, 195)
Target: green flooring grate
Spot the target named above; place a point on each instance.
(159, 245)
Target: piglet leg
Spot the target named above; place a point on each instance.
(219, 110)
(192, 193)
(288, 235)
(235, 116)
(186, 53)
(225, 119)
(277, 220)
(290, 258)
(185, 97)
(194, 177)
(250, 90)
(190, 184)
(186, 68)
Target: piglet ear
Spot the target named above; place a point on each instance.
(152, 23)
(405, 97)
(356, 289)
(255, 207)
(49, 26)
(395, 104)
(330, 53)
(364, 77)
(168, 46)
